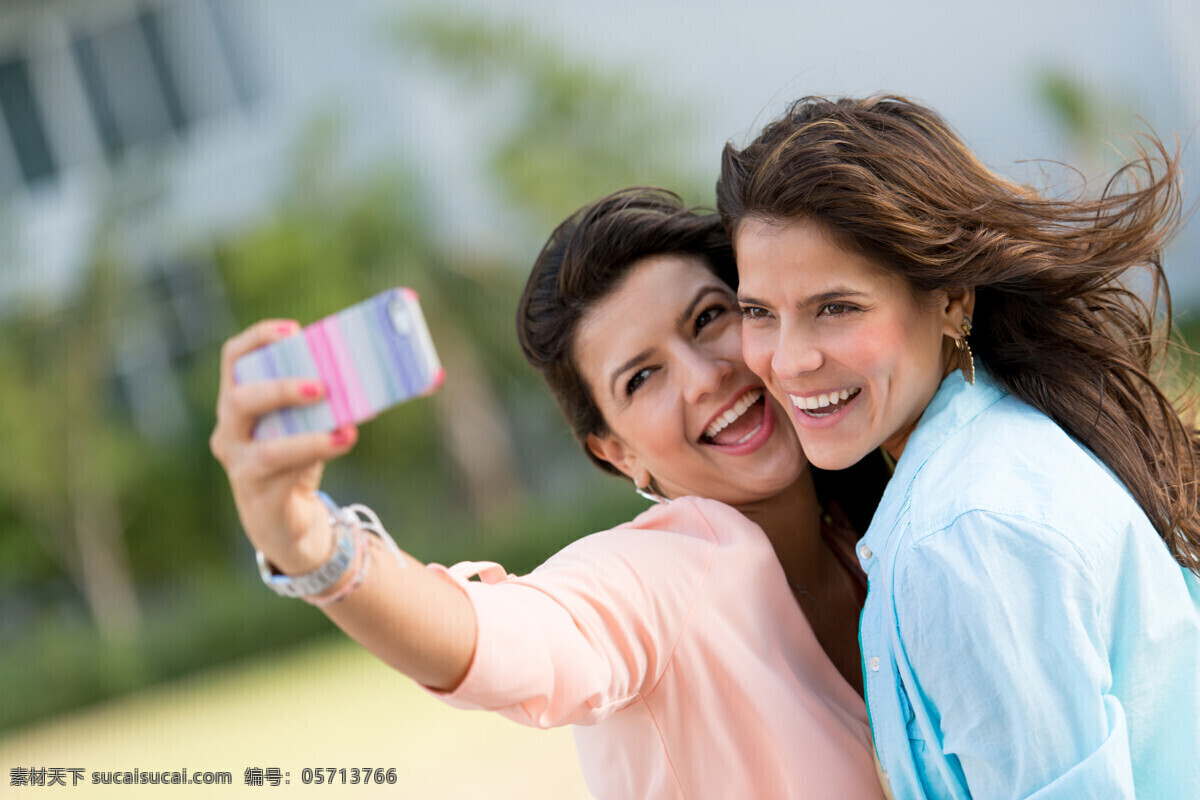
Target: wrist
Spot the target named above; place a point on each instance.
(315, 547)
(328, 572)
(344, 569)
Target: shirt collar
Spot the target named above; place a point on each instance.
(954, 405)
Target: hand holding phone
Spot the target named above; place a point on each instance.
(369, 356)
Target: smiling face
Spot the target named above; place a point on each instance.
(662, 356)
(843, 343)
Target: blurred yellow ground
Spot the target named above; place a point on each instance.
(329, 705)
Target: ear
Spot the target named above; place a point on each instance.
(957, 305)
(609, 448)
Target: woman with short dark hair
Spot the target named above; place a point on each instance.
(678, 643)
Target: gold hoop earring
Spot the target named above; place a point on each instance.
(966, 361)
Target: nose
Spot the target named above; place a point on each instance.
(704, 372)
(795, 354)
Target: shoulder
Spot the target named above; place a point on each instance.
(680, 537)
(1011, 473)
(694, 516)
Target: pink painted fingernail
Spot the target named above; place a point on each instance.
(340, 438)
(310, 389)
(286, 327)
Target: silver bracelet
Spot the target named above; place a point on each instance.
(349, 524)
(326, 576)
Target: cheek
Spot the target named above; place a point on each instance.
(871, 352)
(659, 425)
(911, 368)
(758, 348)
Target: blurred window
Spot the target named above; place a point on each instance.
(141, 74)
(129, 83)
(23, 119)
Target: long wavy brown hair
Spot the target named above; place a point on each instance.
(1059, 321)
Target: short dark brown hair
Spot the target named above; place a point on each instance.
(585, 260)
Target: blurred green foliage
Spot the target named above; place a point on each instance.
(1073, 107)
(121, 562)
(484, 470)
(1186, 368)
(563, 131)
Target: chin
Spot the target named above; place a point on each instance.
(771, 485)
(833, 458)
(756, 488)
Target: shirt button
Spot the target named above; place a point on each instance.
(875, 664)
(865, 552)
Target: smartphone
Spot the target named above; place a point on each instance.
(370, 357)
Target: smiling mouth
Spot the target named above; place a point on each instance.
(736, 426)
(822, 405)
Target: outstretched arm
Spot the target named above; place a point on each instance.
(410, 618)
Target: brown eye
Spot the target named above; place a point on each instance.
(836, 309)
(708, 315)
(754, 312)
(637, 380)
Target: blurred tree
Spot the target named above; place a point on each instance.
(1094, 124)
(334, 241)
(558, 130)
(555, 131)
(110, 506)
(1099, 130)
(67, 460)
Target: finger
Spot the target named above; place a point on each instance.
(262, 460)
(241, 405)
(344, 438)
(254, 337)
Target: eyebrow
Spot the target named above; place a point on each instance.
(683, 318)
(619, 371)
(697, 300)
(837, 293)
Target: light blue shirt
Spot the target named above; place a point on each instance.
(1026, 633)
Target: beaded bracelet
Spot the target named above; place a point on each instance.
(349, 516)
(351, 551)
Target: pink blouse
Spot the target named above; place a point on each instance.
(674, 645)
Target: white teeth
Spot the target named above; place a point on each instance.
(736, 410)
(813, 402)
(750, 435)
(834, 398)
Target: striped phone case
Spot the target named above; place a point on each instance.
(369, 356)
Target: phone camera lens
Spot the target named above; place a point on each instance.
(401, 319)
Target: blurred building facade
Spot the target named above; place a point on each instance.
(170, 116)
(106, 106)
(102, 93)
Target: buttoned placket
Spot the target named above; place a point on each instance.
(868, 643)
(876, 551)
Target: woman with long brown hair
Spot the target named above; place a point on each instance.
(1033, 620)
